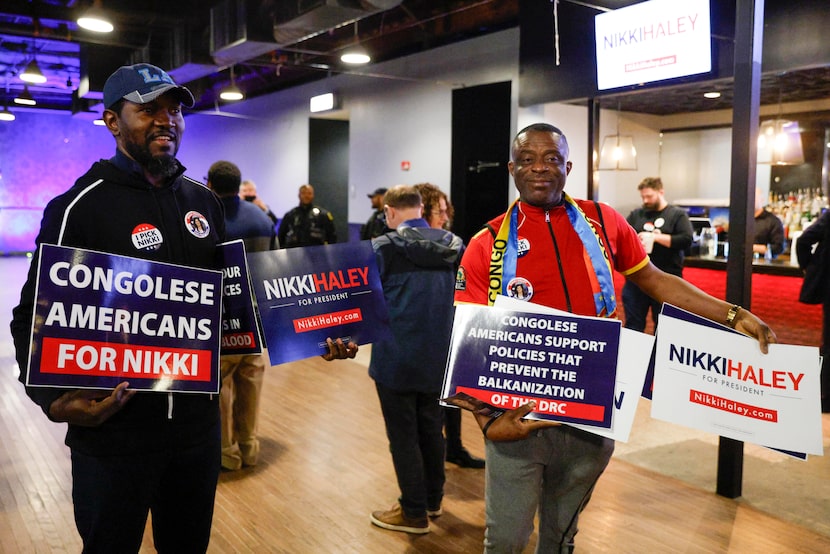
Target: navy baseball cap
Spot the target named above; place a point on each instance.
(377, 191)
(142, 83)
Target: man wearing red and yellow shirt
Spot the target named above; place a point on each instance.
(556, 251)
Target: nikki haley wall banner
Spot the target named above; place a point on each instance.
(240, 328)
(506, 358)
(720, 382)
(306, 295)
(101, 319)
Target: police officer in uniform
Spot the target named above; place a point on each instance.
(307, 224)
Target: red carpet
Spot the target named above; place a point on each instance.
(774, 299)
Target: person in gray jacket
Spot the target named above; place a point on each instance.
(417, 266)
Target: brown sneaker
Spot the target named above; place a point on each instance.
(396, 520)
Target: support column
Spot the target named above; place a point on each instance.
(749, 34)
(593, 146)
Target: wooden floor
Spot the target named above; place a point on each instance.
(325, 466)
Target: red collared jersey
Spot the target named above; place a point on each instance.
(550, 265)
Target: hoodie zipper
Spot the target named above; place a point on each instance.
(559, 262)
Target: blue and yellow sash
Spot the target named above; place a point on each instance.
(505, 253)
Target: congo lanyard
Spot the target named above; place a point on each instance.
(504, 255)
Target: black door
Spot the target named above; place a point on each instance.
(480, 151)
(328, 170)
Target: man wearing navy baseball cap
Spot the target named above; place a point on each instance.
(142, 83)
(136, 452)
(143, 111)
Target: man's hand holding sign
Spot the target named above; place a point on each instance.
(90, 408)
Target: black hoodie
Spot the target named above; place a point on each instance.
(105, 211)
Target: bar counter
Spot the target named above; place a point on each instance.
(778, 266)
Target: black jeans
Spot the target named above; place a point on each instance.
(637, 304)
(414, 422)
(112, 496)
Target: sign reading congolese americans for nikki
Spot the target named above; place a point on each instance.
(101, 319)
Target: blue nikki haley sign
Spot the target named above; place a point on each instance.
(306, 295)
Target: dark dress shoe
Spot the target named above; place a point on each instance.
(463, 458)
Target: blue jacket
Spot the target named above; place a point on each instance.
(417, 266)
(244, 220)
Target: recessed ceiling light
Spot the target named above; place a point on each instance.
(713, 94)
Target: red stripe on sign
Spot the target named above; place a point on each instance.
(105, 359)
(238, 341)
(733, 407)
(561, 408)
(323, 321)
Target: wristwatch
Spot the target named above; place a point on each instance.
(731, 315)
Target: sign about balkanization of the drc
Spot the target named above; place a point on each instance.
(722, 383)
(632, 362)
(240, 327)
(306, 295)
(507, 358)
(101, 319)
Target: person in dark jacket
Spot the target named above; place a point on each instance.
(375, 226)
(241, 374)
(147, 451)
(137, 452)
(769, 234)
(812, 251)
(307, 224)
(666, 233)
(417, 266)
(438, 212)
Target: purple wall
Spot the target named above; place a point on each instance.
(41, 155)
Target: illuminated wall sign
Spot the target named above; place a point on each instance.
(653, 41)
(323, 102)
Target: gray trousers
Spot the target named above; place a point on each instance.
(554, 470)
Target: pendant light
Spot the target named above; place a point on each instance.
(232, 93)
(779, 140)
(33, 74)
(618, 152)
(356, 54)
(25, 98)
(5, 114)
(95, 19)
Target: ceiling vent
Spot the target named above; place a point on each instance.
(239, 32)
(244, 29)
(303, 19)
